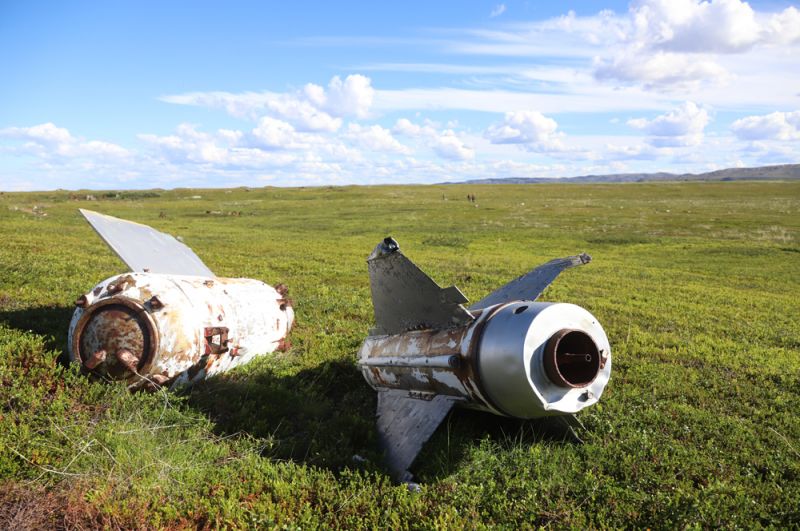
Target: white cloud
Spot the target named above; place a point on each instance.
(375, 138)
(351, 97)
(314, 108)
(406, 127)
(190, 145)
(661, 70)
(529, 128)
(48, 140)
(672, 43)
(303, 115)
(784, 27)
(682, 126)
(446, 143)
(722, 26)
(271, 133)
(775, 126)
(497, 10)
(449, 146)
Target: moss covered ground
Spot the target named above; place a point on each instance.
(696, 284)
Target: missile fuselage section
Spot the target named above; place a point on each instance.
(506, 354)
(146, 328)
(521, 359)
(170, 320)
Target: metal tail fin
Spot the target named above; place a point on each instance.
(143, 248)
(404, 426)
(405, 298)
(530, 285)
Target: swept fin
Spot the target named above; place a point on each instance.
(143, 248)
(405, 424)
(531, 285)
(405, 298)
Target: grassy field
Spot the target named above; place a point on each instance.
(696, 284)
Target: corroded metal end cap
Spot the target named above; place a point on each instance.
(115, 337)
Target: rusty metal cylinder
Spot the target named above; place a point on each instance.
(521, 359)
(147, 328)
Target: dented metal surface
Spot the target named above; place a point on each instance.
(514, 358)
(151, 329)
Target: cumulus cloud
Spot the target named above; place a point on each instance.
(530, 129)
(404, 126)
(190, 145)
(271, 133)
(314, 108)
(48, 140)
(351, 97)
(449, 146)
(444, 143)
(271, 143)
(660, 70)
(375, 138)
(672, 43)
(722, 26)
(773, 126)
(682, 126)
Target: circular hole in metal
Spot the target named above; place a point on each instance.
(571, 359)
(520, 310)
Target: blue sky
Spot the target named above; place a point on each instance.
(166, 94)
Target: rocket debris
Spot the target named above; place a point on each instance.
(170, 321)
(505, 354)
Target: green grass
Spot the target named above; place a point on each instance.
(696, 284)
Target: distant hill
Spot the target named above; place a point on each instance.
(781, 172)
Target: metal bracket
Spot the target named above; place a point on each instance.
(216, 339)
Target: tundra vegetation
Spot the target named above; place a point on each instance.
(696, 284)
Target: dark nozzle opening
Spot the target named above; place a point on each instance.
(571, 359)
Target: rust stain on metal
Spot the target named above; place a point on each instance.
(216, 339)
(155, 303)
(127, 359)
(95, 359)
